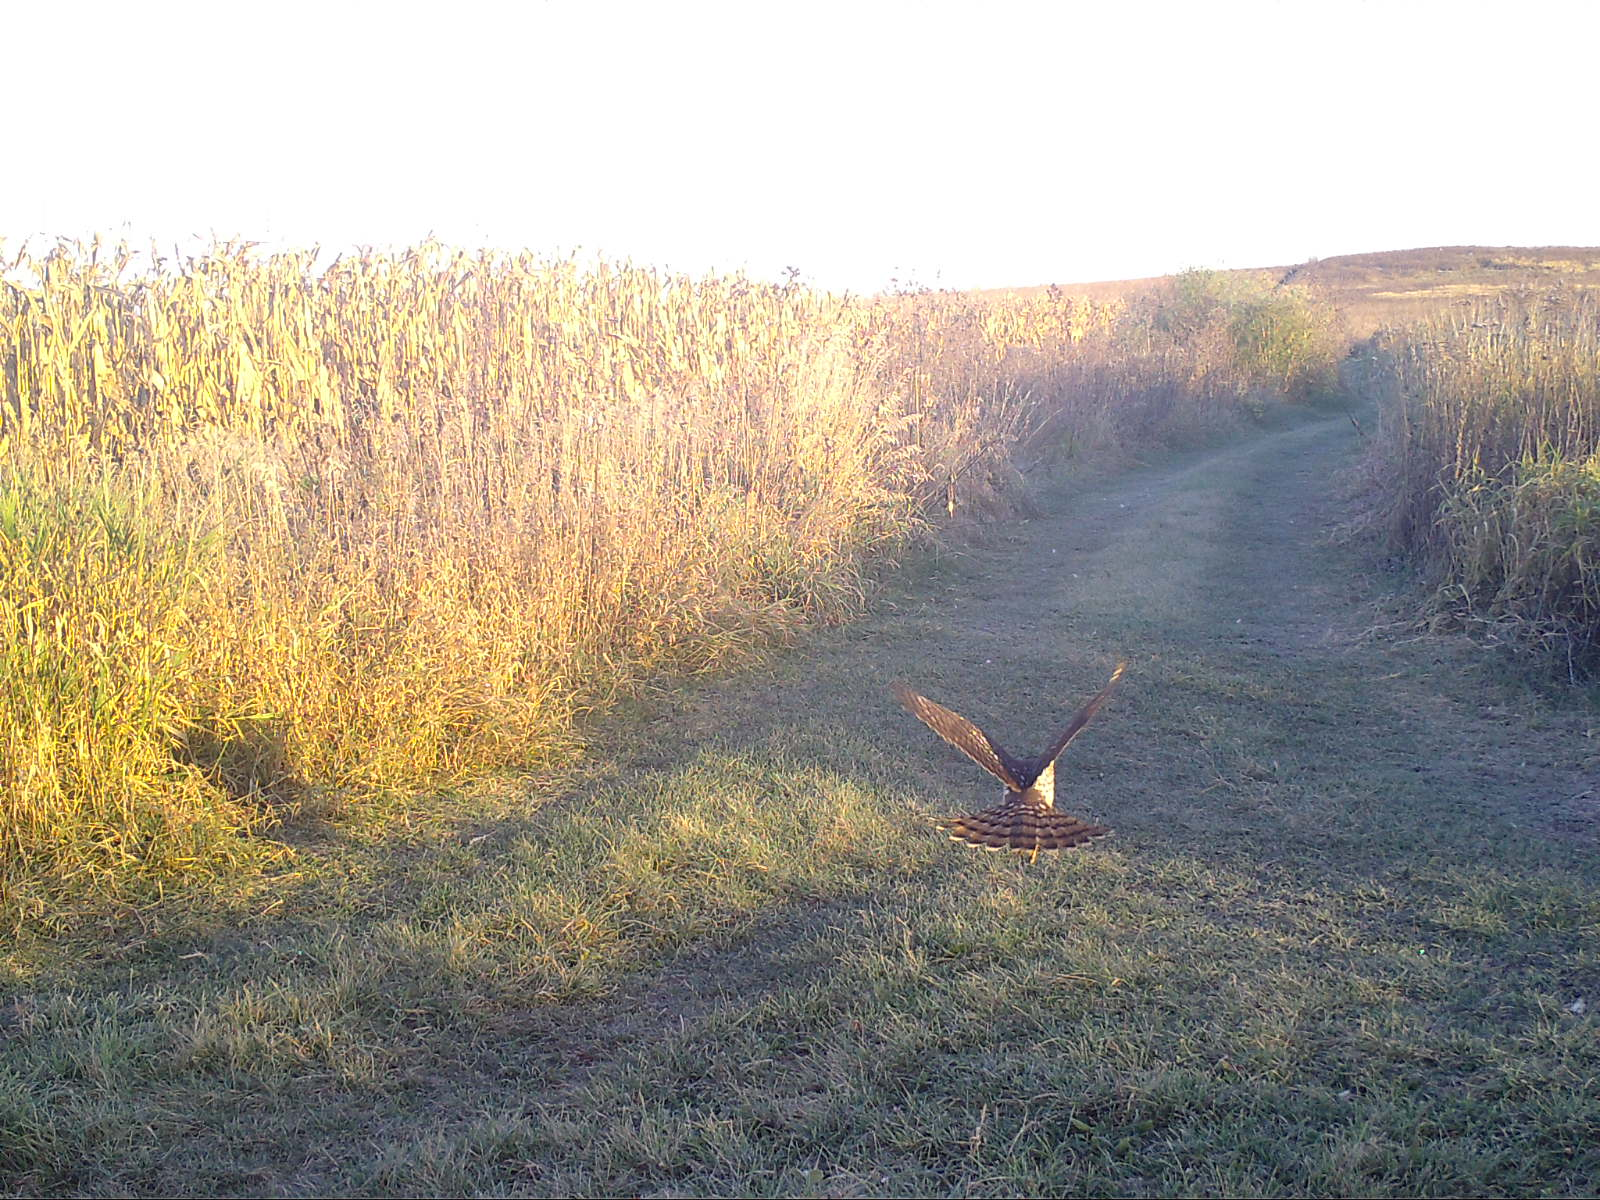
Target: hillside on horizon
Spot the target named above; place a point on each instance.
(1395, 287)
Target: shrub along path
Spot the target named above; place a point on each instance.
(1338, 943)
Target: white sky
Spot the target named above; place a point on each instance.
(987, 143)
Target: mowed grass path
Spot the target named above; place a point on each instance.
(1334, 946)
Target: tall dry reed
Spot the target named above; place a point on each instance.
(1488, 463)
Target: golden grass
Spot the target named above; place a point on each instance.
(1489, 462)
(276, 535)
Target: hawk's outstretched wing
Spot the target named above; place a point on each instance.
(966, 737)
(1079, 721)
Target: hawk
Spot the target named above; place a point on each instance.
(1026, 820)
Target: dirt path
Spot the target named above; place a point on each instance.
(1270, 687)
(1337, 944)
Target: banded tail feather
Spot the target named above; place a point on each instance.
(1014, 826)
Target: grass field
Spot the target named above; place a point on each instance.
(1398, 288)
(281, 536)
(1404, 287)
(1343, 941)
(395, 803)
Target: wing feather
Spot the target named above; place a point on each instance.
(1078, 722)
(965, 737)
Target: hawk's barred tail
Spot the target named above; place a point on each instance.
(1014, 827)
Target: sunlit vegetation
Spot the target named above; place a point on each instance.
(1488, 464)
(276, 533)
